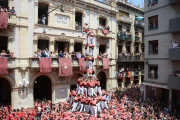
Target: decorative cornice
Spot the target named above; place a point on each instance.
(10, 39)
(103, 16)
(45, 1)
(62, 37)
(78, 39)
(64, 7)
(35, 41)
(4, 33)
(43, 36)
(79, 10)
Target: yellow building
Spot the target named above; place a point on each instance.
(26, 34)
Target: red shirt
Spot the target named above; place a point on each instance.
(91, 45)
(86, 46)
(90, 71)
(76, 98)
(85, 83)
(78, 81)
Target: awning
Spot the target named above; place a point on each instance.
(159, 85)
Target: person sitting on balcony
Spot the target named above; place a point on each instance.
(172, 74)
(175, 44)
(152, 73)
(12, 10)
(100, 26)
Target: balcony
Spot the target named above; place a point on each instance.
(174, 82)
(174, 25)
(173, 2)
(124, 37)
(139, 23)
(99, 62)
(136, 58)
(137, 39)
(125, 19)
(34, 63)
(174, 53)
(11, 63)
(12, 19)
(100, 34)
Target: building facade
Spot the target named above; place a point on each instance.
(130, 43)
(26, 33)
(162, 26)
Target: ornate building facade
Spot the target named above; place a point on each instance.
(26, 33)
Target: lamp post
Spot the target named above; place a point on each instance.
(24, 86)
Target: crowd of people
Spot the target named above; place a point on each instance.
(104, 27)
(117, 104)
(126, 35)
(78, 26)
(177, 74)
(103, 55)
(6, 53)
(176, 44)
(127, 55)
(4, 9)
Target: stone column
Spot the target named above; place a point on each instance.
(122, 84)
(10, 41)
(35, 12)
(170, 98)
(71, 47)
(139, 79)
(51, 45)
(35, 45)
(144, 92)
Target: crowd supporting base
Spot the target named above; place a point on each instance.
(122, 104)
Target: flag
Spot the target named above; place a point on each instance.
(3, 65)
(105, 32)
(81, 63)
(45, 65)
(121, 75)
(105, 63)
(65, 67)
(3, 20)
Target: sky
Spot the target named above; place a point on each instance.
(136, 2)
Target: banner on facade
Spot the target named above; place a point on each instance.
(105, 63)
(65, 66)
(45, 65)
(81, 63)
(3, 65)
(3, 20)
(121, 75)
(105, 32)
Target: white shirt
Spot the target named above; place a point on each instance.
(100, 26)
(43, 19)
(91, 38)
(175, 45)
(39, 108)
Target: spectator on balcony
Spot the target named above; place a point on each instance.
(100, 26)
(123, 54)
(8, 53)
(119, 33)
(172, 74)
(157, 73)
(127, 55)
(1, 9)
(73, 54)
(43, 20)
(109, 55)
(82, 55)
(152, 73)
(50, 54)
(78, 55)
(43, 54)
(4, 9)
(175, 44)
(38, 53)
(120, 55)
(12, 10)
(98, 56)
(177, 74)
(107, 28)
(76, 25)
(12, 54)
(61, 55)
(35, 54)
(79, 27)
(3, 54)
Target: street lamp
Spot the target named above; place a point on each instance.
(24, 85)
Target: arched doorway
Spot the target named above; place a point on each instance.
(73, 81)
(43, 88)
(102, 78)
(5, 91)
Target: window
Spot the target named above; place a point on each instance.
(102, 21)
(153, 47)
(4, 3)
(78, 47)
(78, 21)
(43, 44)
(137, 37)
(152, 2)
(62, 46)
(3, 43)
(128, 49)
(120, 27)
(119, 49)
(137, 49)
(42, 14)
(153, 71)
(153, 22)
(102, 49)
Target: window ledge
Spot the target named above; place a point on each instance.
(153, 54)
(152, 29)
(153, 78)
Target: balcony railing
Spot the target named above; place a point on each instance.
(153, 76)
(174, 53)
(11, 63)
(100, 34)
(125, 19)
(135, 58)
(139, 23)
(99, 62)
(137, 39)
(12, 19)
(174, 82)
(40, 22)
(174, 25)
(133, 74)
(151, 3)
(173, 2)
(124, 37)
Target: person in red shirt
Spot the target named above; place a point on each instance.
(75, 103)
(84, 31)
(85, 87)
(69, 99)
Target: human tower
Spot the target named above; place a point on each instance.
(88, 96)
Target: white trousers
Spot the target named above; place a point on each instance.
(99, 106)
(87, 108)
(94, 92)
(69, 99)
(77, 89)
(94, 111)
(90, 91)
(79, 105)
(85, 76)
(95, 89)
(90, 65)
(86, 51)
(85, 91)
(91, 51)
(99, 91)
(91, 40)
(74, 106)
(85, 63)
(82, 106)
(72, 99)
(87, 40)
(81, 90)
